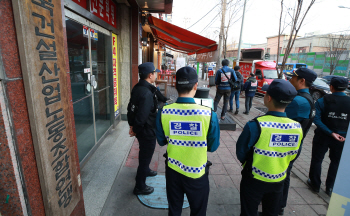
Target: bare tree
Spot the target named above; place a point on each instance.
(337, 45)
(234, 7)
(296, 23)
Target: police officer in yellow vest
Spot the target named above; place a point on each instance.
(190, 130)
(265, 148)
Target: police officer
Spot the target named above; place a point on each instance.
(302, 110)
(142, 111)
(190, 130)
(223, 87)
(332, 121)
(249, 87)
(265, 148)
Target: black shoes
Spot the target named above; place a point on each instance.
(236, 112)
(230, 110)
(281, 211)
(329, 191)
(152, 173)
(312, 186)
(146, 191)
(247, 113)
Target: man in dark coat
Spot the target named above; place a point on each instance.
(142, 111)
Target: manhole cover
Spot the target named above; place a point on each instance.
(262, 109)
(158, 198)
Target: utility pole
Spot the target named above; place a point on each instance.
(240, 36)
(223, 6)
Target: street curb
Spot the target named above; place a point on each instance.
(304, 179)
(119, 171)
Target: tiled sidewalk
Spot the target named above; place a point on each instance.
(225, 174)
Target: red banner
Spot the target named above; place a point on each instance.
(82, 3)
(105, 10)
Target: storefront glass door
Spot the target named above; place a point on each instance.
(88, 62)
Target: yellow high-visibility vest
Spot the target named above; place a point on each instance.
(277, 146)
(186, 127)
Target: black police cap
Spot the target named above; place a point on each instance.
(186, 75)
(146, 68)
(281, 90)
(307, 74)
(339, 82)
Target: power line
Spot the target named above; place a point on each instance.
(203, 16)
(211, 22)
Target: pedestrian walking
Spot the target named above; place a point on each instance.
(190, 131)
(142, 111)
(223, 87)
(332, 121)
(302, 110)
(249, 87)
(265, 148)
(236, 91)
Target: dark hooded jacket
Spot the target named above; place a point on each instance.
(249, 88)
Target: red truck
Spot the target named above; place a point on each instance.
(252, 60)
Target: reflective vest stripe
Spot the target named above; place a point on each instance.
(187, 143)
(267, 175)
(274, 153)
(278, 144)
(278, 125)
(185, 168)
(184, 112)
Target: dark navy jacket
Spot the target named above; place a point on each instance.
(213, 137)
(299, 109)
(248, 88)
(318, 121)
(224, 85)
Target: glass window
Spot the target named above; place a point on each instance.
(270, 74)
(300, 65)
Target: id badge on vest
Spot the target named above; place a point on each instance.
(185, 128)
(284, 140)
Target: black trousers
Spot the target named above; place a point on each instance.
(248, 103)
(219, 94)
(147, 147)
(197, 192)
(254, 191)
(320, 145)
(286, 184)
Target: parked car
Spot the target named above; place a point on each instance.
(291, 67)
(329, 77)
(320, 88)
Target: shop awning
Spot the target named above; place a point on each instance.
(180, 39)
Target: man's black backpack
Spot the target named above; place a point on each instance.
(132, 110)
(134, 105)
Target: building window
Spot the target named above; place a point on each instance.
(268, 50)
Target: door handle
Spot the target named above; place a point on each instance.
(93, 81)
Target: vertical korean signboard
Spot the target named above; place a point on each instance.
(105, 10)
(115, 74)
(40, 38)
(82, 3)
